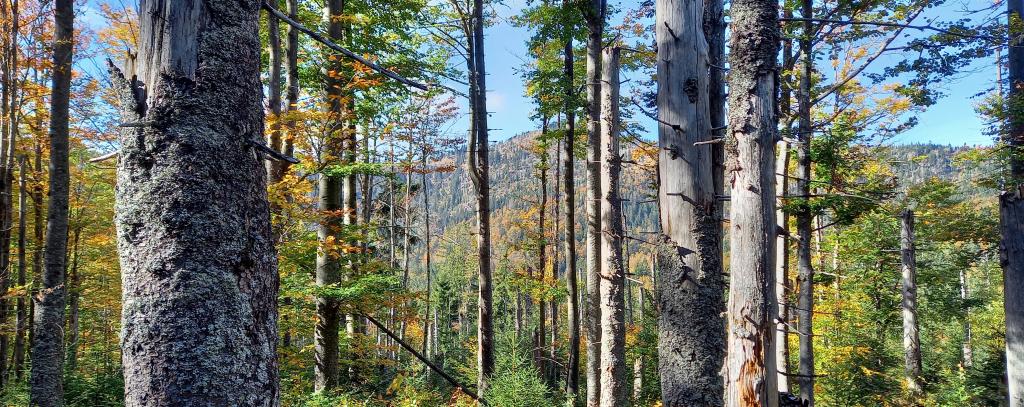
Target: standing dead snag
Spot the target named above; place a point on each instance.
(908, 290)
(691, 333)
(750, 360)
(613, 277)
(193, 222)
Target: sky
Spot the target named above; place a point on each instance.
(951, 121)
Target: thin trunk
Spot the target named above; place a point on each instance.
(427, 248)
(568, 180)
(968, 350)
(782, 270)
(275, 168)
(594, 15)
(753, 127)
(553, 368)
(193, 222)
(1011, 217)
(908, 291)
(804, 216)
(37, 239)
(74, 294)
(613, 277)
(291, 106)
(47, 355)
(714, 33)
(22, 316)
(542, 253)
(691, 331)
(328, 266)
(478, 169)
(638, 379)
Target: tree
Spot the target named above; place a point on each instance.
(1011, 214)
(613, 277)
(594, 15)
(805, 216)
(750, 364)
(908, 290)
(691, 333)
(48, 341)
(193, 221)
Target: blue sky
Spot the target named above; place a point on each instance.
(951, 121)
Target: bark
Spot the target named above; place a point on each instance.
(426, 245)
(594, 14)
(753, 126)
(804, 217)
(275, 168)
(326, 370)
(21, 323)
(782, 270)
(1011, 219)
(613, 277)
(9, 136)
(74, 296)
(291, 105)
(968, 350)
(638, 379)
(47, 355)
(908, 291)
(197, 256)
(568, 180)
(714, 32)
(542, 255)
(691, 332)
(478, 169)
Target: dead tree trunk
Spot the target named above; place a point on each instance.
(908, 290)
(478, 169)
(782, 270)
(753, 126)
(691, 336)
(1011, 219)
(193, 222)
(47, 354)
(572, 379)
(594, 14)
(613, 276)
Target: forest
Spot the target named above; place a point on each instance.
(312, 203)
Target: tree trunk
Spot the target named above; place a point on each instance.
(594, 15)
(291, 106)
(613, 276)
(908, 290)
(782, 270)
(691, 331)
(968, 350)
(193, 222)
(21, 323)
(638, 379)
(1011, 219)
(542, 255)
(572, 379)
(275, 168)
(753, 126)
(329, 189)
(74, 294)
(714, 32)
(47, 355)
(804, 217)
(426, 245)
(478, 169)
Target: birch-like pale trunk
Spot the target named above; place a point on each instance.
(691, 335)
(613, 276)
(594, 14)
(198, 264)
(908, 292)
(782, 269)
(753, 127)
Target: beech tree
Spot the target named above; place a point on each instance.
(48, 341)
(193, 222)
(594, 15)
(753, 128)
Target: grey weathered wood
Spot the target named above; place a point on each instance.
(691, 332)
(1011, 220)
(908, 292)
(198, 264)
(46, 387)
(594, 15)
(750, 361)
(613, 277)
